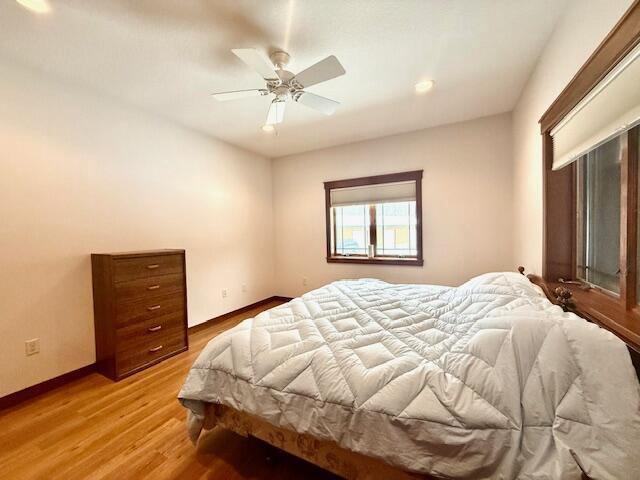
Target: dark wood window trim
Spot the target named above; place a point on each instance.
(333, 257)
(619, 314)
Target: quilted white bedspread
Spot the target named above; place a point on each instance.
(485, 380)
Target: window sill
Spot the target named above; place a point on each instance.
(415, 262)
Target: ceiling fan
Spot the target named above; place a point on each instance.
(283, 84)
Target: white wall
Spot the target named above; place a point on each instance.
(79, 174)
(578, 33)
(467, 197)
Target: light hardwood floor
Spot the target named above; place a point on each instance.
(97, 429)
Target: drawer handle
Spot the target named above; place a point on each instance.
(153, 266)
(155, 307)
(153, 287)
(154, 329)
(155, 349)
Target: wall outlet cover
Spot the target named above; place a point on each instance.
(31, 347)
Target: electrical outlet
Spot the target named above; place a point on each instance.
(304, 281)
(244, 288)
(224, 293)
(31, 347)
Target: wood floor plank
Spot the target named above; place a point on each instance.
(95, 429)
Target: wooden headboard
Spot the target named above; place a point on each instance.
(562, 295)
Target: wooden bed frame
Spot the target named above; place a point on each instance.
(326, 454)
(563, 296)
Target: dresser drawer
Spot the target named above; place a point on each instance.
(139, 353)
(154, 307)
(138, 336)
(148, 287)
(126, 269)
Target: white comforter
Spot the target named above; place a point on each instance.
(486, 380)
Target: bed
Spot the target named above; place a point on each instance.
(376, 380)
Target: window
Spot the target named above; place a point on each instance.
(590, 145)
(595, 143)
(375, 219)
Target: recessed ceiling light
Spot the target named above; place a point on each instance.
(37, 6)
(424, 86)
(267, 128)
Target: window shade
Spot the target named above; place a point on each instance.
(612, 107)
(369, 194)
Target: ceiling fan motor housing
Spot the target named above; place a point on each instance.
(280, 59)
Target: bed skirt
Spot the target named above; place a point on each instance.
(325, 454)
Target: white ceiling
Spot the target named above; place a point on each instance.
(167, 56)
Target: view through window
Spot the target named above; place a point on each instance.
(396, 229)
(598, 209)
(395, 223)
(352, 229)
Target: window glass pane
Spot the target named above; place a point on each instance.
(396, 229)
(352, 229)
(598, 237)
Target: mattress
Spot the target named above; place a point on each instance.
(485, 380)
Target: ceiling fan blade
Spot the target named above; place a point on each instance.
(321, 104)
(236, 94)
(322, 71)
(257, 61)
(276, 112)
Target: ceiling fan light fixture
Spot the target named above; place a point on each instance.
(424, 86)
(268, 128)
(36, 6)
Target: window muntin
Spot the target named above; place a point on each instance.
(598, 217)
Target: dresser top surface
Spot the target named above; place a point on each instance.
(141, 253)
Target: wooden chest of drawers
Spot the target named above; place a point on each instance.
(140, 309)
